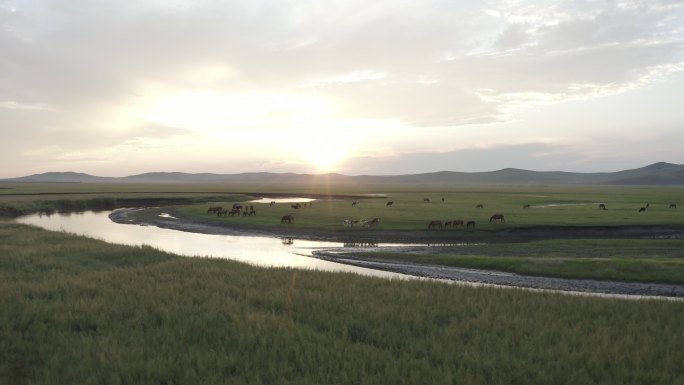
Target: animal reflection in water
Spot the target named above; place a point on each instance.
(362, 222)
(360, 244)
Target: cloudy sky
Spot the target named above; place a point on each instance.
(115, 88)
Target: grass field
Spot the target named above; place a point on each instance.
(77, 310)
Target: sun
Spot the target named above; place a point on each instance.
(325, 157)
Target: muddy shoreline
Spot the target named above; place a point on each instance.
(411, 238)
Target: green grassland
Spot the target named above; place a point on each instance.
(549, 206)
(81, 311)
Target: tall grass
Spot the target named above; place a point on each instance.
(77, 310)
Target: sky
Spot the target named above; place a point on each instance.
(116, 88)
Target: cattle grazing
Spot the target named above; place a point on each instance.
(287, 219)
(390, 203)
(526, 206)
(480, 206)
(426, 200)
(641, 210)
(214, 209)
(470, 224)
(497, 217)
(673, 205)
(435, 224)
(602, 206)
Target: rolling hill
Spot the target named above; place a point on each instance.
(657, 174)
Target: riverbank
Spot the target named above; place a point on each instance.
(424, 242)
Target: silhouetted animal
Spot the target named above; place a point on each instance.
(221, 212)
(479, 206)
(470, 224)
(648, 205)
(426, 200)
(272, 203)
(214, 209)
(526, 206)
(390, 203)
(497, 217)
(296, 206)
(442, 199)
(234, 212)
(373, 221)
(641, 210)
(602, 206)
(287, 219)
(433, 224)
(458, 222)
(355, 203)
(237, 206)
(673, 205)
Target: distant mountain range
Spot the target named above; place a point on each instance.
(657, 174)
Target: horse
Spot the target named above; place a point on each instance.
(458, 222)
(214, 209)
(296, 206)
(480, 206)
(442, 199)
(673, 205)
(355, 203)
(221, 212)
(497, 217)
(426, 200)
(602, 206)
(648, 205)
(641, 210)
(437, 224)
(287, 218)
(234, 212)
(390, 203)
(272, 203)
(470, 224)
(526, 206)
(447, 224)
(373, 221)
(348, 223)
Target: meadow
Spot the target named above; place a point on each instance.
(78, 310)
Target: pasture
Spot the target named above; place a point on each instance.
(548, 206)
(78, 310)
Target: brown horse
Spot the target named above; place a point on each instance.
(221, 212)
(234, 212)
(287, 219)
(435, 224)
(470, 224)
(480, 206)
(497, 217)
(458, 222)
(673, 205)
(296, 206)
(390, 203)
(214, 209)
(602, 206)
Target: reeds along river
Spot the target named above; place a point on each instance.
(257, 250)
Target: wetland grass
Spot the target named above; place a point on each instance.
(77, 310)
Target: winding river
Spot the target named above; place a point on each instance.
(256, 250)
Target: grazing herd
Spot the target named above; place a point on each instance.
(238, 210)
